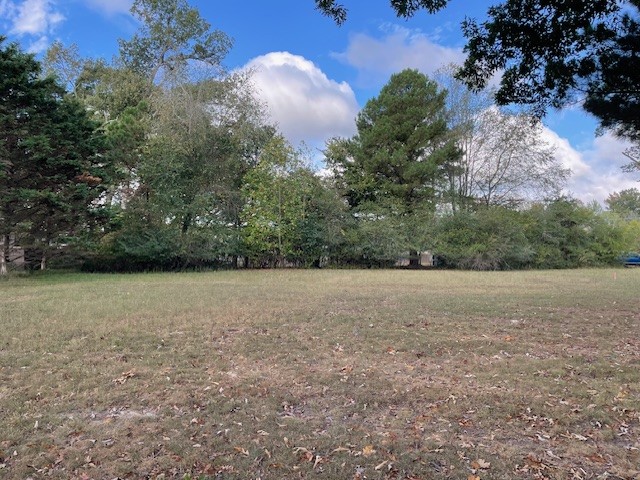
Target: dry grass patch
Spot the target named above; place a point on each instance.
(334, 374)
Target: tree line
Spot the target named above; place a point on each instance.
(160, 159)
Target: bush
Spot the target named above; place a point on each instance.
(487, 239)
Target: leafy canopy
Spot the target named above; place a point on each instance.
(172, 34)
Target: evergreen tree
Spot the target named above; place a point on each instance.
(398, 162)
(50, 170)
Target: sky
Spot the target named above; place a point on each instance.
(315, 76)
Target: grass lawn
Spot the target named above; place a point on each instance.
(321, 374)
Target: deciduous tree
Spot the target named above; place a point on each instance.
(625, 203)
(172, 34)
(506, 160)
(287, 214)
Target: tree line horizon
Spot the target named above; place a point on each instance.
(161, 160)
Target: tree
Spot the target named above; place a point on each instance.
(554, 53)
(50, 167)
(287, 213)
(625, 203)
(633, 154)
(505, 160)
(551, 53)
(64, 63)
(200, 145)
(487, 239)
(403, 8)
(172, 35)
(566, 234)
(401, 153)
(401, 149)
(509, 162)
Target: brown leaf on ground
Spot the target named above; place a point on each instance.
(241, 451)
(380, 465)
(596, 458)
(368, 451)
(124, 377)
(480, 464)
(534, 463)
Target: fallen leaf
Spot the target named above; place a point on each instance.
(480, 464)
(124, 377)
(241, 451)
(368, 451)
(340, 449)
(535, 463)
(596, 458)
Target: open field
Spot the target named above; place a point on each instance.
(321, 374)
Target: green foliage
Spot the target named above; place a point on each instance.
(392, 173)
(289, 216)
(51, 170)
(487, 239)
(376, 238)
(190, 163)
(559, 234)
(402, 148)
(552, 51)
(625, 203)
(403, 8)
(631, 236)
(109, 90)
(566, 234)
(172, 34)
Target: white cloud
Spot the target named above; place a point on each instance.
(302, 100)
(596, 168)
(34, 17)
(111, 7)
(399, 48)
(568, 156)
(40, 45)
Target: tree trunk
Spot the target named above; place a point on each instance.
(43, 261)
(4, 248)
(414, 259)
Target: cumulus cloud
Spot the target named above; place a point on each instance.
(302, 100)
(596, 167)
(397, 49)
(605, 158)
(34, 19)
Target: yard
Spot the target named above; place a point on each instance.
(337, 374)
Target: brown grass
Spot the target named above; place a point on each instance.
(328, 374)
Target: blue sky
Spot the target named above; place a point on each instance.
(314, 75)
